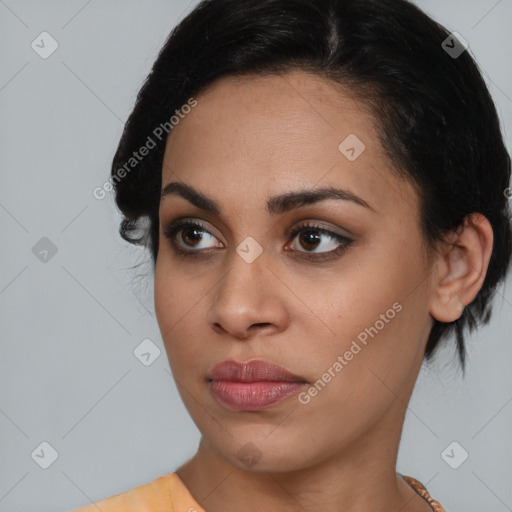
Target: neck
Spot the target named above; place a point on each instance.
(357, 478)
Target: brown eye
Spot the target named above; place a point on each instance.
(312, 237)
(308, 240)
(193, 241)
(192, 235)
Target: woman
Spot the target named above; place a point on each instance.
(325, 185)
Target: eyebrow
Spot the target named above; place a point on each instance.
(275, 205)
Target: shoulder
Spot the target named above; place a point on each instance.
(155, 496)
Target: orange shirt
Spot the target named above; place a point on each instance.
(165, 494)
(169, 494)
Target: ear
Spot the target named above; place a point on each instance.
(461, 268)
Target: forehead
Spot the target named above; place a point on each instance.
(254, 136)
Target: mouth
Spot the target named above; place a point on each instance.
(252, 386)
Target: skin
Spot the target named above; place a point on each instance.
(248, 139)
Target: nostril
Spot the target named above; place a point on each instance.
(259, 326)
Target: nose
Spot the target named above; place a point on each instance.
(250, 300)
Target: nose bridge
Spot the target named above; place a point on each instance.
(245, 274)
(246, 294)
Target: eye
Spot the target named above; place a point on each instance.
(191, 236)
(194, 234)
(310, 237)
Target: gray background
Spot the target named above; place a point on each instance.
(68, 375)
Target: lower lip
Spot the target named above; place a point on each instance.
(253, 396)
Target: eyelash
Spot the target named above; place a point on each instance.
(172, 230)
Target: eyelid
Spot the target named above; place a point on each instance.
(301, 223)
(343, 242)
(320, 225)
(171, 230)
(182, 222)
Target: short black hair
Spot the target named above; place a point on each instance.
(436, 118)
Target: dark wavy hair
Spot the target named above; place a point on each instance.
(436, 118)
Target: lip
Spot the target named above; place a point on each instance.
(252, 386)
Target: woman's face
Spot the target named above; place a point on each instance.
(345, 309)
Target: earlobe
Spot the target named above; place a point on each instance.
(461, 269)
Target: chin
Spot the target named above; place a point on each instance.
(258, 453)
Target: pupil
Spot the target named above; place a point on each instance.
(310, 239)
(196, 237)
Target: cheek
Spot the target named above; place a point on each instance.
(166, 305)
(180, 309)
(356, 298)
(174, 292)
(171, 303)
(361, 374)
(377, 316)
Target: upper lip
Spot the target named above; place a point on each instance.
(256, 370)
